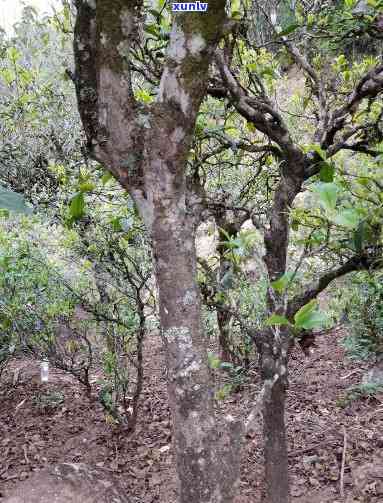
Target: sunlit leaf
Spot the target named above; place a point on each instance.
(277, 319)
(77, 205)
(309, 317)
(280, 284)
(328, 194)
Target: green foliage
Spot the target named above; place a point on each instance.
(365, 312)
(281, 283)
(307, 318)
(328, 194)
(33, 303)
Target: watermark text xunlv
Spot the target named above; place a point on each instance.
(189, 7)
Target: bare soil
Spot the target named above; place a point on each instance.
(320, 429)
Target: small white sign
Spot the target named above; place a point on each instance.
(44, 371)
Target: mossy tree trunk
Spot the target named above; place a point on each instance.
(146, 148)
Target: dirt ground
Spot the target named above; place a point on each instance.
(319, 429)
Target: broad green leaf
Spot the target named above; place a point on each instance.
(155, 13)
(328, 194)
(309, 316)
(12, 201)
(348, 218)
(326, 173)
(316, 319)
(280, 284)
(77, 205)
(301, 315)
(277, 319)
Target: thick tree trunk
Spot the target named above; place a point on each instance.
(146, 148)
(189, 388)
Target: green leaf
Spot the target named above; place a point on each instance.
(152, 29)
(13, 54)
(12, 201)
(328, 194)
(106, 178)
(214, 361)
(309, 317)
(116, 224)
(87, 187)
(277, 319)
(77, 205)
(317, 319)
(280, 284)
(326, 173)
(348, 218)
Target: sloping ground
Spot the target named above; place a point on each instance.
(75, 430)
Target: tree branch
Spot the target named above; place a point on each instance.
(370, 259)
(369, 86)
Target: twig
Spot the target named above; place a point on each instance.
(20, 404)
(357, 371)
(343, 463)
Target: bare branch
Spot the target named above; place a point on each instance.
(369, 86)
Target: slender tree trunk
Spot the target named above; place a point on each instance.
(275, 444)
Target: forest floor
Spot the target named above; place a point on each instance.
(75, 431)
